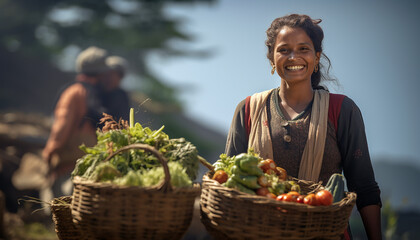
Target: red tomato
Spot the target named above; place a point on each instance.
(293, 193)
(300, 198)
(220, 176)
(280, 197)
(310, 199)
(289, 198)
(324, 197)
(262, 191)
(267, 164)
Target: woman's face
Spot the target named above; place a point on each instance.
(294, 55)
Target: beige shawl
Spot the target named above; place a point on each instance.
(260, 140)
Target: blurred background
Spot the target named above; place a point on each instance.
(191, 62)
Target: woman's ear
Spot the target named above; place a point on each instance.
(318, 57)
(273, 68)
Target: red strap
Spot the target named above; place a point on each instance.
(347, 235)
(334, 108)
(247, 116)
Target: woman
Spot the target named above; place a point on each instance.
(306, 130)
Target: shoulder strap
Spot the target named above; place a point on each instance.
(247, 116)
(334, 108)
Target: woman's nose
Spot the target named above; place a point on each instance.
(292, 56)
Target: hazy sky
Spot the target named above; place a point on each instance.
(373, 47)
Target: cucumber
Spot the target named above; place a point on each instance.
(336, 186)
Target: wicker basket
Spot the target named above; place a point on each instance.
(106, 211)
(231, 214)
(61, 215)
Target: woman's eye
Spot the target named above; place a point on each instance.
(282, 50)
(303, 49)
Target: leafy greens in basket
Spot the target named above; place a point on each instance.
(136, 167)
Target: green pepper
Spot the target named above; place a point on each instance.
(237, 170)
(249, 164)
(231, 183)
(248, 181)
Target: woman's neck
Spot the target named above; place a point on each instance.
(294, 98)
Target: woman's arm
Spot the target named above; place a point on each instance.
(357, 166)
(371, 216)
(237, 139)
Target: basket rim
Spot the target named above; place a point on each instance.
(348, 199)
(61, 201)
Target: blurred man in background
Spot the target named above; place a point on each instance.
(76, 117)
(116, 99)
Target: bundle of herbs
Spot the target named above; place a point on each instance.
(136, 167)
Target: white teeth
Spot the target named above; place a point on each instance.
(294, 68)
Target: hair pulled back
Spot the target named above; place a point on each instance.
(312, 29)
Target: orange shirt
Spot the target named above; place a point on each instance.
(70, 129)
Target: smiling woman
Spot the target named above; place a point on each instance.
(301, 126)
(294, 57)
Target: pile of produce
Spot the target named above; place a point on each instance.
(136, 167)
(249, 173)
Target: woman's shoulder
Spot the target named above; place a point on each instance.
(345, 106)
(240, 107)
(342, 100)
(263, 94)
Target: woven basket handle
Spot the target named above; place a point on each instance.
(205, 163)
(166, 184)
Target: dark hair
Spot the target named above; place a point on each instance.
(314, 31)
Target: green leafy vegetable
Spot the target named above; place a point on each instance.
(127, 167)
(224, 163)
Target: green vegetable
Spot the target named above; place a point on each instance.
(249, 164)
(243, 171)
(277, 188)
(237, 170)
(185, 153)
(179, 177)
(105, 172)
(295, 188)
(132, 178)
(131, 117)
(231, 183)
(291, 186)
(224, 163)
(82, 164)
(335, 185)
(111, 139)
(248, 181)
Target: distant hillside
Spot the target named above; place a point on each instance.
(398, 182)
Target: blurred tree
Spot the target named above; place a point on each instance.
(131, 28)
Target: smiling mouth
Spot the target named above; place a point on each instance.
(295, 67)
